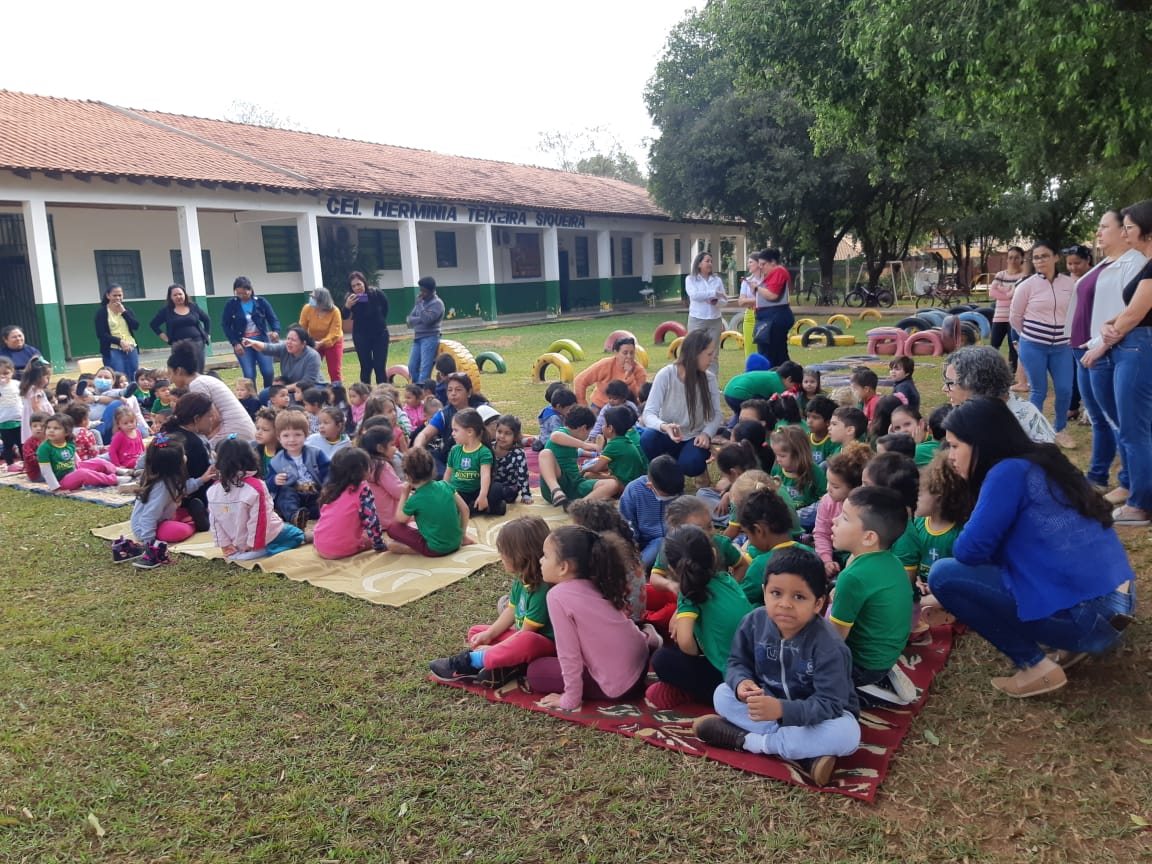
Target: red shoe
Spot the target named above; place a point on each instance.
(663, 696)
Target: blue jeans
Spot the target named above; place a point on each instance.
(125, 361)
(422, 357)
(1103, 435)
(249, 361)
(1132, 386)
(693, 460)
(976, 595)
(1103, 385)
(773, 341)
(839, 736)
(1040, 361)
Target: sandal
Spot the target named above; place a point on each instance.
(559, 499)
(936, 616)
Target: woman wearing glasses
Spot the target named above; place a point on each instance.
(981, 370)
(1039, 313)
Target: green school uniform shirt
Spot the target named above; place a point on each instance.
(728, 555)
(872, 598)
(625, 461)
(753, 385)
(922, 545)
(62, 460)
(434, 506)
(926, 452)
(531, 607)
(716, 619)
(466, 464)
(801, 497)
(824, 449)
(753, 584)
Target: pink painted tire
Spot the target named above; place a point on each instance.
(398, 371)
(926, 343)
(666, 328)
(618, 334)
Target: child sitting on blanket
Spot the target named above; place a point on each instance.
(601, 516)
(62, 469)
(162, 514)
(560, 477)
(601, 653)
(380, 445)
(348, 521)
(244, 523)
(297, 473)
(788, 689)
(511, 468)
(28, 446)
(441, 515)
(500, 651)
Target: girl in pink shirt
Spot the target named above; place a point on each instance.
(349, 523)
(601, 653)
(380, 445)
(358, 393)
(414, 405)
(127, 445)
(844, 472)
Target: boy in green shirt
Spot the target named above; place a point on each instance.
(621, 461)
(560, 477)
(820, 411)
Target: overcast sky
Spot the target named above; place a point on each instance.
(467, 78)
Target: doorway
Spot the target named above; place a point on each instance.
(16, 279)
(564, 305)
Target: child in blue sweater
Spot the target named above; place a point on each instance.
(297, 473)
(644, 500)
(788, 689)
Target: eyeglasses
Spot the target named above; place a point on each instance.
(949, 384)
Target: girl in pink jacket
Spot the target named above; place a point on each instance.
(244, 523)
(349, 523)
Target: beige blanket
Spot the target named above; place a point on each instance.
(391, 580)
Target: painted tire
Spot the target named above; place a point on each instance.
(813, 333)
(666, 328)
(843, 340)
(870, 313)
(674, 347)
(737, 322)
(969, 332)
(732, 336)
(914, 324)
(617, 334)
(642, 356)
(843, 320)
(951, 334)
(568, 347)
(397, 371)
(497, 361)
(933, 316)
(836, 331)
(563, 366)
(465, 362)
(987, 311)
(980, 321)
(795, 339)
(963, 307)
(804, 322)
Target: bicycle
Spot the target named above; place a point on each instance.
(864, 295)
(947, 292)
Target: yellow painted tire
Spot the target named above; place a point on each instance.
(841, 321)
(674, 347)
(732, 336)
(465, 362)
(563, 366)
(844, 340)
(567, 347)
(796, 340)
(870, 313)
(803, 324)
(642, 356)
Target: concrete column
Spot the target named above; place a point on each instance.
(687, 253)
(409, 263)
(647, 255)
(49, 309)
(486, 270)
(308, 236)
(604, 267)
(551, 238)
(195, 284)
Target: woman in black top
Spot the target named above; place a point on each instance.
(368, 309)
(180, 318)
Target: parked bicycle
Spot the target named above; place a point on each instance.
(865, 295)
(817, 293)
(949, 291)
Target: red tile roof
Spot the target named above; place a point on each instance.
(47, 134)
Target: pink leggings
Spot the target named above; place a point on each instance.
(90, 472)
(513, 647)
(176, 530)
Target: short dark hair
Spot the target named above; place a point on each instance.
(821, 405)
(904, 362)
(864, 377)
(617, 389)
(762, 407)
(881, 510)
(552, 389)
(314, 396)
(790, 370)
(769, 508)
(562, 399)
(936, 421)
(620, 417)
(898, 442)
(580, 417)
(427, 283)
(445, 364)
(854, 418)
(1141, 214)
(802, 563)
(666, 475)
(897, 472)
(771, 255)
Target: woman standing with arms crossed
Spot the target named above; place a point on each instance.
(368, 309)
(706, 296)
(180, 318)
(115, 326)
(1001, 289)
(1039, 311)
(774, 316)
(325, 325)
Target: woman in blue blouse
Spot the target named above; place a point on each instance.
(1039, 563)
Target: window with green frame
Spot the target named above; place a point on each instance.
(625, 256)
(445, 249)
(120, 267)
(582, 258)
(177, 258)
(281, 248)
(381, 246)
(658, 251)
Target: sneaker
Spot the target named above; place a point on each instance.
(154, 556)
(663, 696)
(495, 678)
(125, 550)
(714, 729)
(458, 667)
(300, 518)
(819, 770)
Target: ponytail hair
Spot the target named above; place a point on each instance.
(602, 559)
(691, 559)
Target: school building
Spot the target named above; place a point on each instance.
(93, 194)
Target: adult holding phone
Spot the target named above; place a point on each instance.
(116, 325)
(706, 299)
(368, 309)
(774, 318)
(247, 316)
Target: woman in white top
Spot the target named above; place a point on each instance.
(683, 410)
(706, 298)
(747, 301)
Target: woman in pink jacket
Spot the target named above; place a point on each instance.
(1039, 312)
(1001, 289)
(621, 366)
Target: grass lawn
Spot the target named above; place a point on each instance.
(202, 713)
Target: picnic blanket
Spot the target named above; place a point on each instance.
(386, 579)
(857, 776)
(108, 496)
